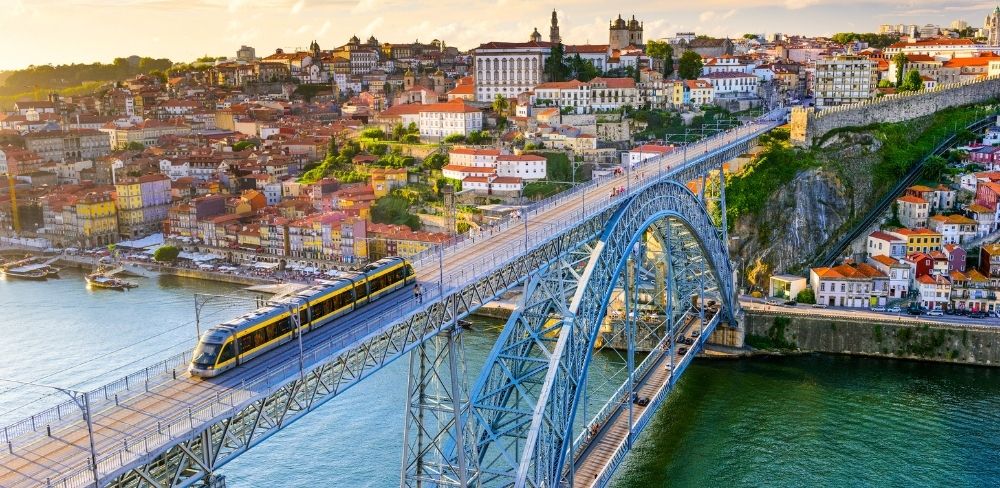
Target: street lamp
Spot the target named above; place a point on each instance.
(84, 406)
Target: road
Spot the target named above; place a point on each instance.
(35, 458)
(843, 312)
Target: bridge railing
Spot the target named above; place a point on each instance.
(159, 373)
(115, 391)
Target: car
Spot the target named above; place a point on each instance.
(934, 313)
(820, 305)
(770, 302)
(977, 315)
(961, 311)
(682, 350)
(914, 311)
(695, 333)
(878, 309)
(894, 310)
(790, 303)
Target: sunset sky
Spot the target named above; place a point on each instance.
(65, 31)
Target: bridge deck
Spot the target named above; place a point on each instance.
(613, 434)
(34, 459)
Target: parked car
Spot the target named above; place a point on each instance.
(977, 315)
(695, 333)
(934, 313)
(820, 305)
(770, 302)
(894, 310)
(878, 309)
(914, 311)
(790, 303)
(682, 350)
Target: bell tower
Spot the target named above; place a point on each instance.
(554, 30)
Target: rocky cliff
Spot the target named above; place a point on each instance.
(816, 206)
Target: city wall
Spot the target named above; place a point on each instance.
(896, 337)
(809, 124)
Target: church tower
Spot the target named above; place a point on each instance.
(992, 28)
(554, 30)
(536, 36)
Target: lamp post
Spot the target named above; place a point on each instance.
(84, 406)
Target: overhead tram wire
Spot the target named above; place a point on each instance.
(122, 349)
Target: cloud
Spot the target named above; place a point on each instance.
(297, 7)
(364, 6)
(324, 29)
(370, 28)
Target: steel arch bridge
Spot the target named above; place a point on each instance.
(517, 426)
(525, 401)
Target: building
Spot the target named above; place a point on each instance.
(147, 132)
(989, 260)
(439, 120)
(786, 286)
(68, 146)
(97, 219)
(992, 27)
(844, 79)
(912, 211)
(884, 244)
(921, 240)
(934, 291)
(554, 36)
(143, 203)
(246, 54)
(643, 152)
(509, 68)
(954, 229)
(732, 84)
(622, 33)
(897, 272)
(847, 285)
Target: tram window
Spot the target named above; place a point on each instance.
(303, 317)
(227, 352)
(284, 325)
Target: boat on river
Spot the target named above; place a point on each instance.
(101, 280)
(36, 272)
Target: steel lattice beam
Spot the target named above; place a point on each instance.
(526, 398)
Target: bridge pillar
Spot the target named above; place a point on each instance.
(435, 430)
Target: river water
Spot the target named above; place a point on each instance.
(796, 421)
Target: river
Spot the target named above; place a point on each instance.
(793, 421)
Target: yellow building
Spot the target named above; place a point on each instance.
(97, 219)
(383, 180)
(919, 240)
(128, 193)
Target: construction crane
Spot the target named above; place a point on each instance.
(14, 217)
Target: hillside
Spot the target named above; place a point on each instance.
(791, 202)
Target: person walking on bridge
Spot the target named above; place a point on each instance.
(418, 293)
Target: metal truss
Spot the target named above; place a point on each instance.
(525, 400)
(436, 415)
(527, 394)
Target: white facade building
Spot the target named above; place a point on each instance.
(509, 68)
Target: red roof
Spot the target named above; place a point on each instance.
(475, 152)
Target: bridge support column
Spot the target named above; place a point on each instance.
(435, 430)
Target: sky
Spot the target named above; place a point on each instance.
(84, 31)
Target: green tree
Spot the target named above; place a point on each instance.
(373, 133)
(500, 104)
(582, 69)
(332, 150)
(806, 296)
(935, 167)
(244, 145)
(454, 139)
(690, 65)
(435, 161)
(663, 51)
(900, 61)
(749, 36)
(166, 254)
(394, 209)
(555, 68)
(135, 146)
(912, 81)
(398, 131)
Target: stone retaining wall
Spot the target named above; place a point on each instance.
(890, 338)
(809, 124)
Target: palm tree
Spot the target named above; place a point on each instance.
(500, 105)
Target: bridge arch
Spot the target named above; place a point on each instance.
(527, 396)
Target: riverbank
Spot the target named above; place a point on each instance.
(894, 339)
